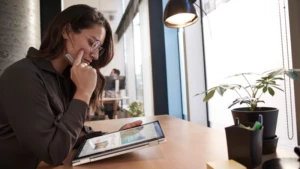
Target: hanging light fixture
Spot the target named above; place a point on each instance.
(180, 13)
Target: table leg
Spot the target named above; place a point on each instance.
(115, 104)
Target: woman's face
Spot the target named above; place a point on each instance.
(90, 40)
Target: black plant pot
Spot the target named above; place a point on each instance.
(270, 116)
(246, 150)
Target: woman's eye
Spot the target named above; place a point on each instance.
(90, 43)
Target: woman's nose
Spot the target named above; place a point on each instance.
(94, 55)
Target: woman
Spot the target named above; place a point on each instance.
(44, 100)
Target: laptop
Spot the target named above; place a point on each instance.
(119, 142)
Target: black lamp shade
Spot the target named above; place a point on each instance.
(180, 13)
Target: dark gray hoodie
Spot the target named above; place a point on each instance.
(39, 120)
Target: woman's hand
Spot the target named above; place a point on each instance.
(131, 125)
(84, 77)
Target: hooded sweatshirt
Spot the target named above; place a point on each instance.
(39, 119)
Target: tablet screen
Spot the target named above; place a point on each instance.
(122, 138)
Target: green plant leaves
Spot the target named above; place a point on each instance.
(231, 86)
(209, 95)
(235, 102)
(241, 74)
(251, 86)
(136, 108)
(213, 88)
(259, 86)
(260, 101)
(267, 82)
(278, 78)
(245, 101)
(274, 73)
(271, 91)
(221, 90)
(265, 89)
(292, 75)
(271, 82)
(251, 102)
(278, 88)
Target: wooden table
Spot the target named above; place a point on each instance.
(114, 102)
(188, 146)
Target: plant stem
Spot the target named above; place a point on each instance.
(241, 96)
(260, 95)
(248, 84)
(238, 93)
(254, 94)
(247, 91)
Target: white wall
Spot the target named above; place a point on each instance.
(130, 67)
(195, 73)
(244, 36)
(146, 60)
(126, 2)
(114, 7)
(93, 3)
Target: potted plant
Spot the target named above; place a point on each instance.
(267, 83)
(136, 109)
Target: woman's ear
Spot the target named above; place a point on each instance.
(66, 31)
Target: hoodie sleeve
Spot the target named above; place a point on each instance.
(25, 103)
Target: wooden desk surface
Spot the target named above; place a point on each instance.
(188, 146)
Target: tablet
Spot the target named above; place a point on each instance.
(119, 142)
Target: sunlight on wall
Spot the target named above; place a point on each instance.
(244, 36)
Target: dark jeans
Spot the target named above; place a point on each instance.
(109, 110)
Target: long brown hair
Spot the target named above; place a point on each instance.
(79, 17)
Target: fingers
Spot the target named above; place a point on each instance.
(78, 58)
(83, 64)
(131, 125)
(136, 123)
